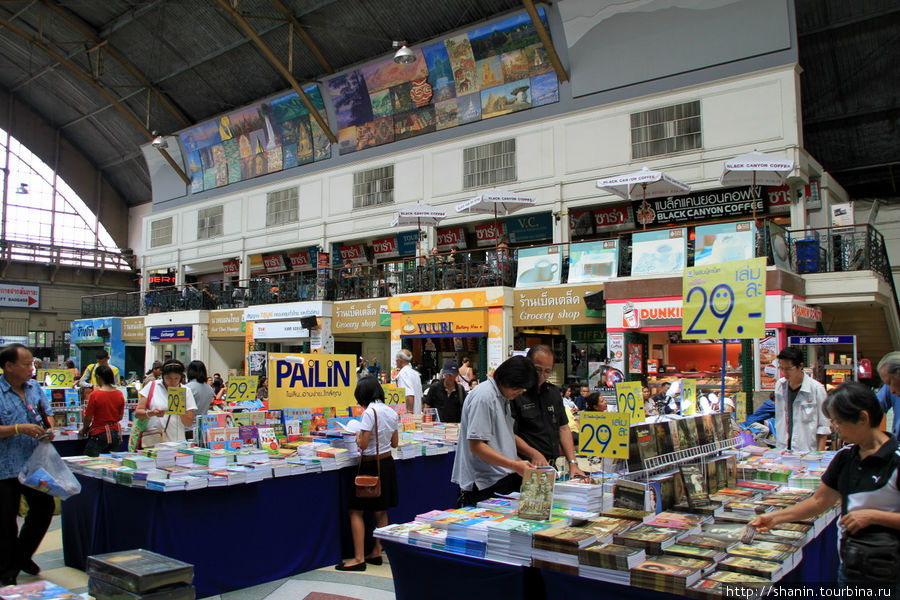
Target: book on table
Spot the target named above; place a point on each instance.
(612, 556)
(536, 496)
(695, 484)
(753, 566)
(669, 573)
(652, 539)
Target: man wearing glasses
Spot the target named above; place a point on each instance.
(889, 394)
(542, 426)
(800, 424)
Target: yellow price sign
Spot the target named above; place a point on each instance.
(57, 377)
(604, 434)
(393, 394)
(725, 300)
(176, 399)
(688, 397)
(740, 406)
(241, 388)
(630, 400)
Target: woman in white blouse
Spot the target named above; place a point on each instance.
(375, 450)
(153, 403)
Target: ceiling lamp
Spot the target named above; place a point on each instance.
(404, 55)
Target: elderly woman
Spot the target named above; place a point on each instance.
(864, 477)
(376, 437)
(153, 403)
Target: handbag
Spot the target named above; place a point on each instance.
(369, 486)
(871, 557)
(141, 437)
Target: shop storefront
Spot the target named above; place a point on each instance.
(362, 328)
(90, 335)
(226, 341)
(288, 327)
(134, 335)
(182, 335)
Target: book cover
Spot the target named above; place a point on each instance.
(634, 453)
(536, 496)
(612, 556)
(646, 442)
(626, 513)
(752, 566)
(712, 482)
(267, 440)
(689, 551)
(666, 490)
(663, 438)
(705, 430)
(718, 430)
(721, 473)
(762, 552)
(738, 578)
(632, 495)
(707, 541)
(695, 485)
(687, 432)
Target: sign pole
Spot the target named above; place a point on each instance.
(722, 387)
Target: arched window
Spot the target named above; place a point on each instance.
(44, 220)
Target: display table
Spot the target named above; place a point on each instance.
(75, 447)
(241, 535)
(441, 575)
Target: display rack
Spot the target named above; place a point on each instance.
(662, 462)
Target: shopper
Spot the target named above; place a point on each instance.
(218, 386)
(262, 391)
(102, 416)
(153, 403)
(410, 380)
(581, 399)
(649, 404)
(70, 365)
(889, 394)
(864, 477)
(800, 423)
(596, 403)
(541, 424)
(446, 395)
(200, 388)
(569, 395)
(154, 373)
(363, 369)
(375, 459)
(22, 426)
(466, 375)
(87, 378)
(375, 368)
(486, 461)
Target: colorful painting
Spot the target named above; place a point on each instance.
(544, 89)
(506, 99)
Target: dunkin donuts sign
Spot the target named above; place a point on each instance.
(663, 314)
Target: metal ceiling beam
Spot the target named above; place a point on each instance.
(267, 52)
(137, 74)
(303, 35)
(89, 80)
(545, 40)
(848, 22)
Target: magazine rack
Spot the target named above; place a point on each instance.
(663, 462)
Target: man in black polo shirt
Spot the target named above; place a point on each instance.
(446, 395)
(541, 425)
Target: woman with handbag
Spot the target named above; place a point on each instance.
(864, 477)
(375, 486)
(105, 408)
(153, 404)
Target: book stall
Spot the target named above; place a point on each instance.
(671, 519)
(263, 497)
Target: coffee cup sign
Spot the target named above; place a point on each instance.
(545, 270)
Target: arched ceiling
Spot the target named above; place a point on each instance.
(108, 72)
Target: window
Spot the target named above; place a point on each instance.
(282, 207)
(209, 223)
(373, 187)
(161, 232)
(665, 130)
(40, 339)
(489, 164)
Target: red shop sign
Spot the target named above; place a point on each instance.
(487, 235)
(274, 263)
(231, 267)
(454, 237)
(386, 248)
(609, 218)
(300, 261)
(354, 253)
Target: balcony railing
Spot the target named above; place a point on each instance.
(66, 256)
(858, 248)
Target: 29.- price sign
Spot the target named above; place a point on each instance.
(688, 397)
(393, 394)
(604, 434)
(241, 388)
(725, 300)
(176, 399)
(740, 406)
(630, 401)
(58, 377)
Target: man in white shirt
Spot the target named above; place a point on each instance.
(409, 379)
(800, 424)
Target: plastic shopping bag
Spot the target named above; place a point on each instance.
(46, 472)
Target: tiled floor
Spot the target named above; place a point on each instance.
(376, 583)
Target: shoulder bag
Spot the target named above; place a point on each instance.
(369, 486)
(141, 437)
(872, 556)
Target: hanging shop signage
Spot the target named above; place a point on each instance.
(604, 434)
(171, 334)
(91, 331)
(311, 380)
(293, 310)
(279, 330)
(588, 333)
(650, 315)
(581, 223)
(406, 242)
(700, 206)
(133, 329)
(454, 237)
(256, 264)
(530, 228)
(767, 348)
(359, 315)
(778, 199)
(803, 314)
(488, 235)
(725, 300)
(613, 218)
(442, 324)
(158, 280)
(20, 296)
(385, 248)
(231, 267)
(300, 261)
(556, 306)
(355, 253)
(226, 323)
(274, 263)
(821, 340)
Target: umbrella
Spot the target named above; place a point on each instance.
(496, 202)
(652, 184)
(418, 215)
(756, 168)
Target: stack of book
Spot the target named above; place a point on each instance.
(672, 574)
(509, 540)
(428, 537)
(398, 532)
(609, 562)
(607, 527)
(652, 539)
(772, 551)
(139, 574)
(578, 496)
(757, 567)
(36, 589)
(557, 548)
(468, 537)
(727, 584)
